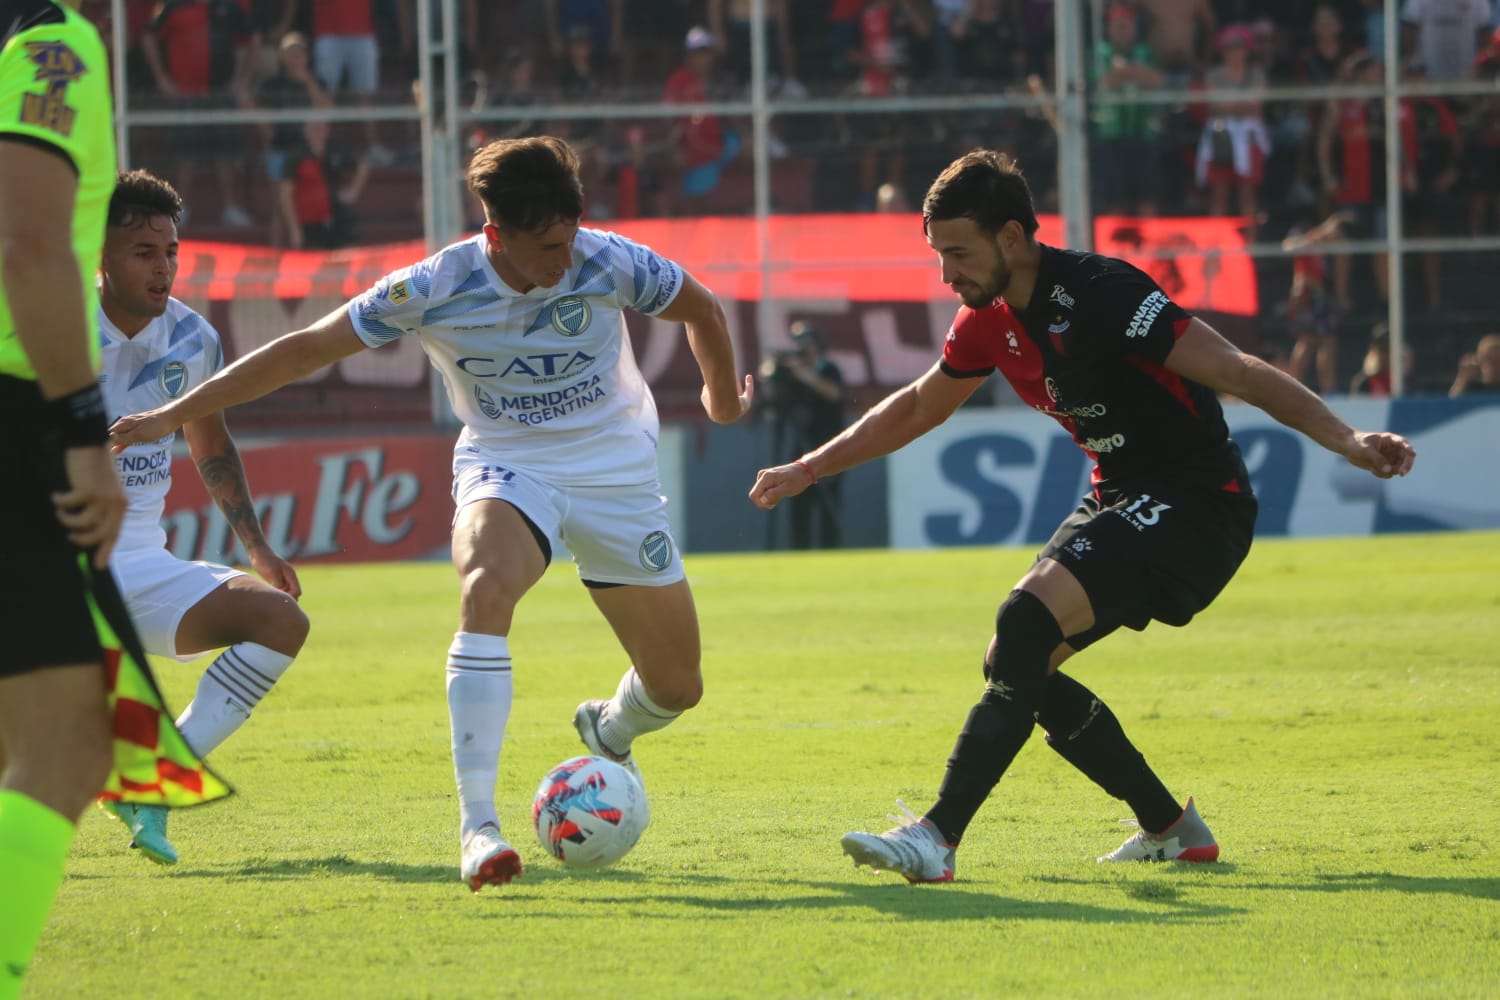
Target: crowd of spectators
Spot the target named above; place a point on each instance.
(1216, 145)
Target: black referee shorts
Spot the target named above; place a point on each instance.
(44, 616)
(1152, 554)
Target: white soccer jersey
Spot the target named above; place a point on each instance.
(545, 380)
(176, 352)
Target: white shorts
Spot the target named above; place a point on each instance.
(159, 589)
(357, 56)
(617, 534)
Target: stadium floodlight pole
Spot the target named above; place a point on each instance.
(1394, 227)
(122, 95)
(760, 120)
(430, 235)
(1072, 127)
(451, 138)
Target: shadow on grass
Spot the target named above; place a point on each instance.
(718, 896)
(1477, 887)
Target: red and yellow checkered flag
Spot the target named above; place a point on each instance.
(153, 764)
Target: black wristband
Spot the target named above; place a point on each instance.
(78, 418)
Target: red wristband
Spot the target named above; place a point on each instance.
(807, 469)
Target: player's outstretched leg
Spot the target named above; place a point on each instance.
(586, 719)
(148, 829)
(913, 848)
(1085, 733)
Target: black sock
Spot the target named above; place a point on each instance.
(997, 728)
(1086, 734)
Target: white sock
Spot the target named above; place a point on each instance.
(228, 691)
(631, 713)
(479, 695)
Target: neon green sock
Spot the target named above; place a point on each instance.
(33, 849)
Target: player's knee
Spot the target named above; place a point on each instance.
(1026, 639)
(286, 628)
(489, 593)
(676, 692)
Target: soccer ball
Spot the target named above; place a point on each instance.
(589, 812)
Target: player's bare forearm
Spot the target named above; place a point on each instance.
(894, 422)
(224, 477)
(707, 327)
(261, 372)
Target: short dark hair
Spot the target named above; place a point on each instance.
(139, 195)
(528, 184)
(985, 186)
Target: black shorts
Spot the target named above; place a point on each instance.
(1161, 554)
(44, 614)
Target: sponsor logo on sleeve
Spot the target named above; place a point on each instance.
(1145, 315)
(400, 292)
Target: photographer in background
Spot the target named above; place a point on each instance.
(804, 390)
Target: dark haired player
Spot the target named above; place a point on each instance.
(525, 324)
(155, 349)
(1094, 343)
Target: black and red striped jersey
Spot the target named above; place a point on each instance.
(1088, 351)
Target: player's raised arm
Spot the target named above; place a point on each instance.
(282, 361)
(725, 397)
(1204, 356)
(895, 421)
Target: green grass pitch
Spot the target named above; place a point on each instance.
(1336, 714)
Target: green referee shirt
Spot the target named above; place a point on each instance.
(54, 91)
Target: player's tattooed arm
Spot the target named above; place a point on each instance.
(223, 475)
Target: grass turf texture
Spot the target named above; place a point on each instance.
(1334, 713)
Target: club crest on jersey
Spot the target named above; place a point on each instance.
(571, 316)
(486, 402)
(1058, 326)
(1061, 297)
(173, 378)
(656, 551)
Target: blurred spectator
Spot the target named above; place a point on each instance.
(1431, 155)
(317, 191)
(1479, 372)
(1319, 64)
(946, 17)
(1308, 311)
(347, 51)
(1445, 35)
(884, 53)
(1128, 136)
(987, 45)
(1234, 145)
(293, 86)
(1481, 170)
(1180, 33)
(604, 20)
(804, 391)
(1374, 376)
(729, 20)
(270, 20)
(198, 52)
(584, 78)
(704, 146)
(1372, 26)
(654, 40)
(1351, 163)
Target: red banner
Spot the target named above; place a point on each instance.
(858, 258)
(334, 499)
